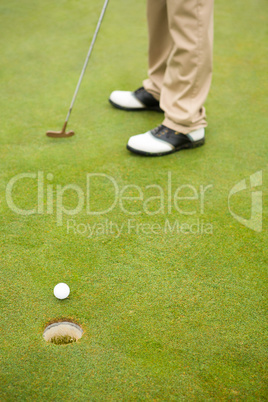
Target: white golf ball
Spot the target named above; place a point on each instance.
(61, 291)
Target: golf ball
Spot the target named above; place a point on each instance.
(61, 291)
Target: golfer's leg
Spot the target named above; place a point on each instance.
(160, 45)
(189, 67)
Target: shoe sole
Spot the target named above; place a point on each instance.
(129, 109)
(195, 144)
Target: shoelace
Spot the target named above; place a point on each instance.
(162, 131)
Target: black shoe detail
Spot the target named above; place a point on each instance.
(144, 153)
(147, 99)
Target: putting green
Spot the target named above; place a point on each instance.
(169, 290)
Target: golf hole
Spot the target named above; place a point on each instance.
(62, 333)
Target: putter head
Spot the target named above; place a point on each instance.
(60, 134)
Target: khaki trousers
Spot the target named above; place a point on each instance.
(180, 60)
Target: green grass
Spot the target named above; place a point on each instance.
(166, 316)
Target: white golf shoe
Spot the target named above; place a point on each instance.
(163, 140)
(134, 101)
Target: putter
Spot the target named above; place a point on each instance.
(62, 133)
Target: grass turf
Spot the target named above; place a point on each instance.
(166, 316)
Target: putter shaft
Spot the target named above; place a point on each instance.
(62, 133)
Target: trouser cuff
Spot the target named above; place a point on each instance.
(181, 128)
